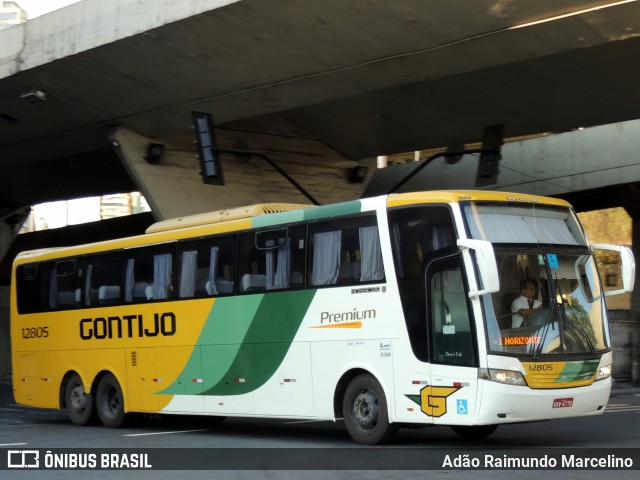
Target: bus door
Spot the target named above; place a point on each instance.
(452, 344)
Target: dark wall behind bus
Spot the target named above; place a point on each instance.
(59, 237)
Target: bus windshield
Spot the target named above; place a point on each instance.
(548, 304)
(550, 300)
(523, 223)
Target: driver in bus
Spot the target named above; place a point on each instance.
(525, 304)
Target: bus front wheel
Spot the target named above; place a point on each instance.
(110, 403)
(365, 411)
(80, 406)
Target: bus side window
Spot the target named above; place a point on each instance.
(101, 285)
(252, 265)
(33, 287)
(148, 275)
(272, 259)
(207, 267)
(65, 285)
(345, 252)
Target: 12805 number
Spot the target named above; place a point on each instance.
(35, 332)
(540, 367)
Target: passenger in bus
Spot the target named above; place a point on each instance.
(525, 304)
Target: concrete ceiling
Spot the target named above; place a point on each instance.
(366, 77)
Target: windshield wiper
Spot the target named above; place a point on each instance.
(592, 347)
(553, 312)
(545, 328)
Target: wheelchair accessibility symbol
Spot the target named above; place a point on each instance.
(462, 407)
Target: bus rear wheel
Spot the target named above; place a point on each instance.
(110, 403)
(475, 432)
(365, 411)
(81, 406)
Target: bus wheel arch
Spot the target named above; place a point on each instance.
(364, 408)
(80, 406)
(341, 387)
(110, 401)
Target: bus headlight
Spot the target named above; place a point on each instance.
(508, 377)
(603, 372)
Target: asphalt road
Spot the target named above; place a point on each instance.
(258, 448)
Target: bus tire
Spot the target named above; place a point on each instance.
(476, 432)
(366, 416)
(81, 407)
(110, 403)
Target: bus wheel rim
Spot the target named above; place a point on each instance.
(78, 398)
(111, 401)
(366, 409)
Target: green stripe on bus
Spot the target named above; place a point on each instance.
(314, 213)
(267, 342)
(278, 218)
(574, 371)
(243, 342)
(218, 343)
(328, 211)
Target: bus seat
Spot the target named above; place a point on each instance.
(297, 279)
(344, 272)
(66, 298)
(504, 320)
(93, 296)
(355, 270)
(224, 286)
(253, 283)
(108, 294)
(200, 288)
(139, 291)
(148, 292)
(507, 300)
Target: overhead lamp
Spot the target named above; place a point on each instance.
(208, 152)
(358, 174)
(34, 94)
(490, 156)
(154, 153)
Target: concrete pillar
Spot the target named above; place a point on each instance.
(635, 303)
(635, 245)
(8, 229)
(5, 338)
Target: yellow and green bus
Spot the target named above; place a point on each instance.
(385, 312)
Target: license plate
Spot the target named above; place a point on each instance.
(563, 402)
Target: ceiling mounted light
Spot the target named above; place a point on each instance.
(154, 153)
(34, 94)
(358, 174)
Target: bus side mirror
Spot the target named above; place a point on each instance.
(485, 260)
(627, 264)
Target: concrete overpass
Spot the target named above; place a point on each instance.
(320, 86)
(344, 80)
